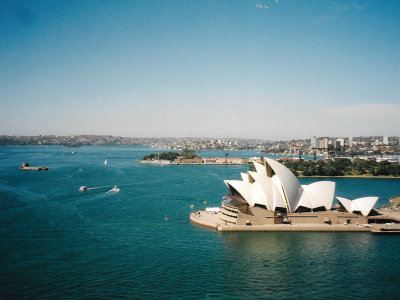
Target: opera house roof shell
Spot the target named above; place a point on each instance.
(275, 187)
(362, 205)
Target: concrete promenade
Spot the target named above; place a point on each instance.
(297, 227)
(204, 218)
(212, 220)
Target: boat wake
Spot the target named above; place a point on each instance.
(114, 190)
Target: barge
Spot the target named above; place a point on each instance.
(25, 167)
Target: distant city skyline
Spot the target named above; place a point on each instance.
(214, 68)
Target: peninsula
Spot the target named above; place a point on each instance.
(332, 167)
(272, 199)
(189, 157)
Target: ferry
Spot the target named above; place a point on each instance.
(25, 167)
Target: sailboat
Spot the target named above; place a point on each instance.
(105, 161)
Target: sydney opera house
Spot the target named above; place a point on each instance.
(272, 195)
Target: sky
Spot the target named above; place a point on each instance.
(270, 69)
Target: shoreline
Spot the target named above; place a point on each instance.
(213, 220)
(352, 176)
(244, 164)
(295, 228)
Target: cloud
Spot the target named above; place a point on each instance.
(262, 6)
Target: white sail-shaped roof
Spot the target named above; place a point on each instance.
(291, 186)
(324, 191)
(243, 188)
(363, 205)
(279, 197)
(258, 195)
(317, 194)
(283, 190)
(346, 203)
(265, 185)
(245, 177)
(260, 168)
(307, 199)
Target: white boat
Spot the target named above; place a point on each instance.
(105, 161)
(114, 189)
(83, 188)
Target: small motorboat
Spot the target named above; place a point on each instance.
(83, 188)
(105, 161)
(114, 189)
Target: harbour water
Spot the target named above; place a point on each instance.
(57, 242)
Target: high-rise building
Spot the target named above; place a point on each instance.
(340, 141)
(386, 140)
(351, 142)
(314, 142)
(324, 143)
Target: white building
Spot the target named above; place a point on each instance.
(314, 142)
(272, 198)
(340, 141)
(386, 140)
(274, 187)
(324, 143)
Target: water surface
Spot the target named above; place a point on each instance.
(56, 242)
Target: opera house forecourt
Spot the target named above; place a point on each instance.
(272, 199)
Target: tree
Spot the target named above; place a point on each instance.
(188, 154)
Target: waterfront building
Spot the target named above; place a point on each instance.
(272, 195)
(275, 188)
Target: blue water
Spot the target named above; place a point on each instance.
(56, 242)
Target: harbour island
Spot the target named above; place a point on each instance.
(189, 157)
(272, 199)
(299, 166)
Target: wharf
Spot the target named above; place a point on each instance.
(212, 220)
(208, 219)
(388, 228)
(298, 227)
